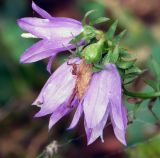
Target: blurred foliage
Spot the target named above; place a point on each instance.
(21, 135)
(148, 149)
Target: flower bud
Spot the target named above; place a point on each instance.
(93, 52)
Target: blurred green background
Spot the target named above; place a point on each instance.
(22, 136)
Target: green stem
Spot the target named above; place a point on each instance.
(142, 95)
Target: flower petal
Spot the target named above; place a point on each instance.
(94, 133)
(40, 11)
(96, 99)
(57, 90)
(46, 15)
(58, 114)
(120, 133)
(77, 116)
(50, 29)
(114, 91)
(49, 65)
(124, 113)
(44, 49)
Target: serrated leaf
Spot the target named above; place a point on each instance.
(99, 20)
(125, 64)
(111, 31)
(120, 36)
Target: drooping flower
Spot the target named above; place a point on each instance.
(55, 32)
(98, 95)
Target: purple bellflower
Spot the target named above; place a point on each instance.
(55, 32)
(97, 95)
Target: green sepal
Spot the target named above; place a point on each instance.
(111, 31)
(99, 20)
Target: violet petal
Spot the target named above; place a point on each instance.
(96, 99)
(77, 116)
(44, 49)
(41, 12)
(49, 65)
(114, 91)
(94, 133)
(47, 29)
(57, 90)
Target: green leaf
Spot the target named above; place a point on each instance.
(156, 68)
(99, 20)
(111, 31)
(151, 83)
(125, 54)
(86, 16)
(107, 58)
(129, 80)
(115, 54)
(112, 57)
(133, 70)
(77, 39)
(120, 36)
(89, 32)
(125, 64)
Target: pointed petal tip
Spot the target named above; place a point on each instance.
(50, 126)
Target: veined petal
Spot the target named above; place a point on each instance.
(50, 29)
(44, 49)
(120, 133)
(46, 15)
(57, 90)
(77, 116)
(94, 133)
(114, 91)
(58, 114)
(96, 99)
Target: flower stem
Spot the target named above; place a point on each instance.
(141, 95)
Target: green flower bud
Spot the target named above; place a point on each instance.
(93, 52)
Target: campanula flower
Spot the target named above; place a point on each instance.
(55, 34)
(97, 95)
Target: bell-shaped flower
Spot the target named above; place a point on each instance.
(55, 32)
(98, 95)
